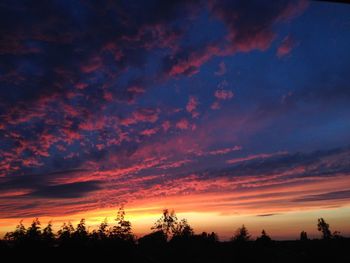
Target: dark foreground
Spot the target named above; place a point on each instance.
(194, 250)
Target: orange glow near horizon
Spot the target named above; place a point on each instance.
(280, 226)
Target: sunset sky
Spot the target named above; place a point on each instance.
(229, 112)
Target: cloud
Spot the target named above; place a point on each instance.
(222, 69)
(215, 105)
(265, 215)
(250, 25)
(285, 47)
(94, 64)
(187, 62)
(221, 151)
(192, 105)
(72, 190)
(255, 157)
(223, 94)
(149, 132)
(141, 115)
(325, 196)
(183, 124)
(166, 125)
(100, 93)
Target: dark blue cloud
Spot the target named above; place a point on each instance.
(325, 197)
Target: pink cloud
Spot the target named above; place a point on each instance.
(183, 124)
(81, 85)
(192, 106)
(223, 94)
(285, 47)
(141, 115)
(166, 125)
(191, 64)
(149, 132)
(108, 96)
(243, 34)
(136, 89)
(94, 124)
(91, 65)
(225, 150)
(215, 105)
(175, 164)
(255, 156)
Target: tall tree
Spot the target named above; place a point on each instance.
(18, 235)
(103, 229)
(241, 234)
(34, 231)
(123, 228)
(323, 227)
(182, 229)
(303, 236)
(80, 231)
(167, 223)
(48, 235)
(65, 232)
(264, 238)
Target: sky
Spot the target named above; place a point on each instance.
(229, 112)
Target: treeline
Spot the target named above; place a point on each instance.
(168, 228)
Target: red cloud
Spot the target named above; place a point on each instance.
(81, 85)
(94, 124)
(92, 65)
(191, 63)
(149, 132)
(142, 115)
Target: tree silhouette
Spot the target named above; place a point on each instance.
(183, 246)
(34, 231)
(81, 228)
(303, 236)
(264, 238)
(65, 233)
(323, 227)
(47, 235)
(337, 235)
(154, 240)
(103, 230)
(123, 228)
(212, 237)
(18, 235)
(80, 235)
(182, 229)
(167, 223)
(241, 234)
